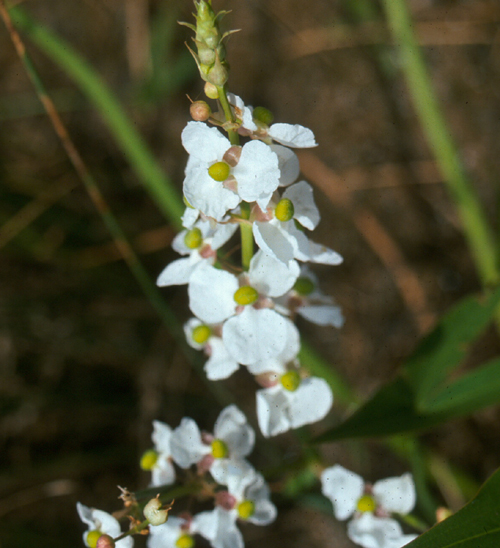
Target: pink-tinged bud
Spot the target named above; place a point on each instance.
(232, 155)
(105, 541)
(225, 500)
(200, 111)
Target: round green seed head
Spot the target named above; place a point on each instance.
(263, 115)
(193, 238)
(290, 381)
(246, 295)
(211, 91)
(246, 509)
(366, 504)
(92, 538)
(219, 171)
(148, 460)
(185, 541)
(201, 333)
(284, 210)
(304, 286)
(219, 449)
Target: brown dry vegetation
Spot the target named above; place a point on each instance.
(85, 363)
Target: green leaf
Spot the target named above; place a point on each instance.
(479, 388)
(446, 346)
(476, 525)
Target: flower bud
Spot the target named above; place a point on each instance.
(284, 210)
(290, 381)
(443, 513)
(246, 295)
(153, 512)
(304, 286)
(246, 509)
(211, 91)
(148, 460)
(219, 449)
(105, 541)
(264, 115)
(200, 111)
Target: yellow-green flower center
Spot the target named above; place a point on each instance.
(290, 381)
(246, 295)
(304, 286)
(148, 460)
(246, 509)
(366, 504)
(185, 541)
(284, 210)
(201, 333)
(219, 449)
(264, 115)
(193, 238)
(219, 171)
(93, 537)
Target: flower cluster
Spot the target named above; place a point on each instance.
(245, 317)
(240, 493)
(370, 506)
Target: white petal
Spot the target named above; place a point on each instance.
(219, 528)
(205, 143)
(179, 272)
(222, 234)
(232, 472)
(190, 217)
(370, 531)
(163, 472)
(399, 542)
(220, 364)
(162, 434)
(305, 210)
(167, 534)
(294, 136)
(307, 250)
(207, 194)
(288, 164)
(255, 335)
(246, 112)
(186, 445)
(257, 172)
(232, 427)
(396, 494)
(272, 411)
(274, 241)
(258, 492)
(310, 402)
(272, 277)
(323, 315)
(211, 294)
(344, 488)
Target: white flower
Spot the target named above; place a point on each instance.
(254, 178)
(349, 494)
(291, 402)
(288, 164)
(101, 523)
(370, 531)
(246, 499)
(220, 364)
(200, 243)
(174, 533)
(233, 440)
(308, 301)
(243, 113)
(162, 471)
(213, 298)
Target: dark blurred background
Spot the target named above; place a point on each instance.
(85, 362)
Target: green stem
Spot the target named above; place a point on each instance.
(246, 237)
(228, 113)
(477, 232)
(124, 132)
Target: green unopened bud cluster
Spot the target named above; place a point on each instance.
(211, 56)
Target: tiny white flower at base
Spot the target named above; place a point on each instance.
(219, 528)
(106, 524)
(175, 533)
(294, 136)
(370, 531)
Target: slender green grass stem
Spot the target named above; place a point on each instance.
(477, 232)
(128, 138)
